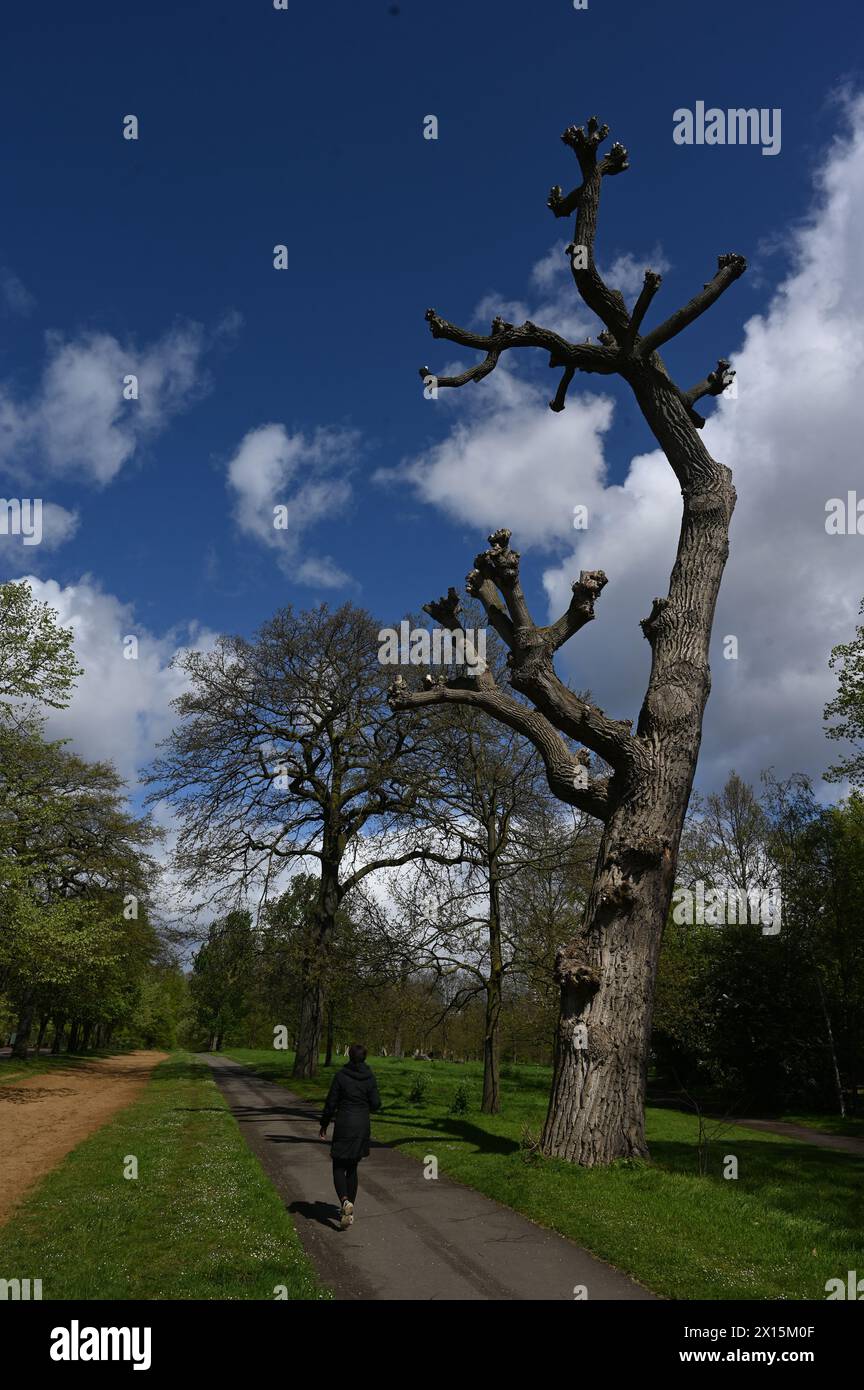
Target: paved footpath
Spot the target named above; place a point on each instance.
(413, 1238)
(844, 1143)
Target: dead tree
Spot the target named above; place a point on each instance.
(606, 973)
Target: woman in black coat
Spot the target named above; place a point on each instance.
(353, 1095)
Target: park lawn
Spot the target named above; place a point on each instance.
(793, 1219)
(201, 1221)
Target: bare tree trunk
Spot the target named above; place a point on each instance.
(491, 1103)
(85, 1040)
(21, 1046)
(328, 1056)
(43, 1029)
(838, 1083)
(312, 990)
(73, 1036)
(59, 1027)
(596, 1109)
(596, 1106)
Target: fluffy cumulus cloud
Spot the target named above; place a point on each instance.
(792, 436)
(122, 704)
(285, 484)
(78, 420)
(510, 456)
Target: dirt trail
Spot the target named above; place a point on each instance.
(43, 1117)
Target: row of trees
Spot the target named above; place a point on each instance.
(437, 925)
(76, 872)
(766, 1014)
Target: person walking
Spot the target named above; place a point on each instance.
(353, 1095)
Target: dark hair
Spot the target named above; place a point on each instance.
(356, 1053)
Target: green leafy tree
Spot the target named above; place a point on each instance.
(73, 860)
(37, 661)
(221, 975)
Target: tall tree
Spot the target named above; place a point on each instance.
(221, 974)
(287, 749)
(490, 785)
(606, 972)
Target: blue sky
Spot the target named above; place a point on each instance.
(304, 127)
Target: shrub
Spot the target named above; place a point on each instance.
(419, 1088)
(461, 1102)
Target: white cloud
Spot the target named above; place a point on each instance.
(77, 420)
(793, 440)
(512, 457)
(272, 470)
(121, 708)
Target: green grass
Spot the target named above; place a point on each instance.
(793, 1218)
(200, 1221)
(851, 1127)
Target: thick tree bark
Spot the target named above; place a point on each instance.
(596, 1108)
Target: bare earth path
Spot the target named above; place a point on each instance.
(43, 1117)
(413, 1238)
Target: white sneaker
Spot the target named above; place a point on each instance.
(347, 1217)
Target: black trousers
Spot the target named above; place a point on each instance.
(345, 1179)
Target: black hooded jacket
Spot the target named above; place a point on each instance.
(352, 1096)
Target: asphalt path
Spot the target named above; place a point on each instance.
(413, 1237)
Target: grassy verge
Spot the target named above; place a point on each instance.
(200, 1221)
(792, 1219)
